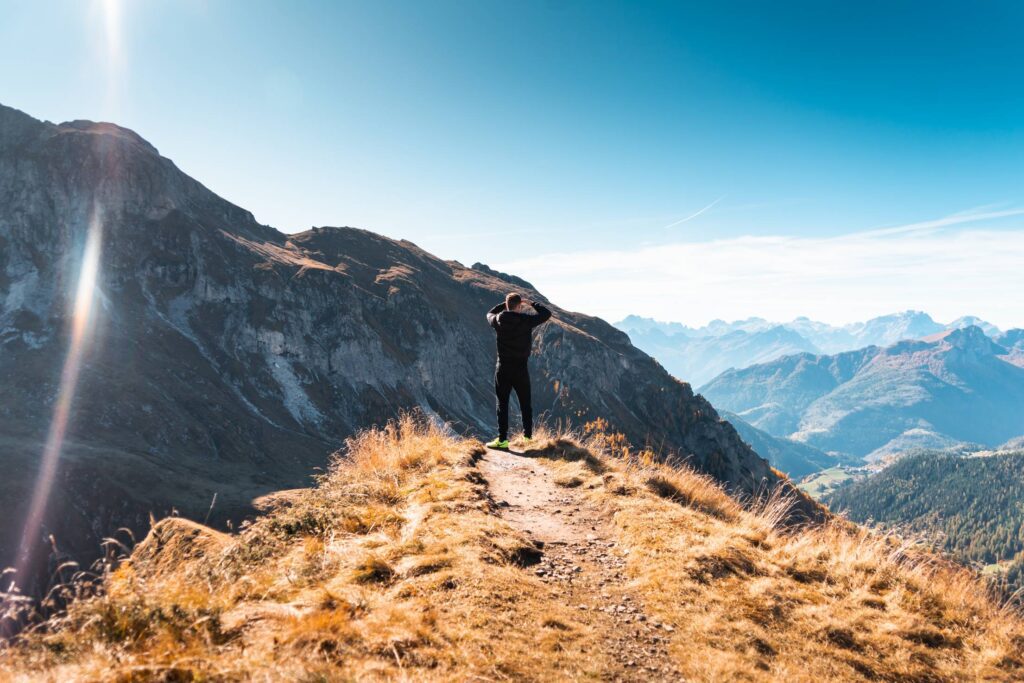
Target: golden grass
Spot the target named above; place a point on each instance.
(398, 567)
(749, 600)
(395, 565)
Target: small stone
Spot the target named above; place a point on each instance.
(668, 627)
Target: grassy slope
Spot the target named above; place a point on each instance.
(398, 565)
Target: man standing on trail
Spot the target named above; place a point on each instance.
(514, 328)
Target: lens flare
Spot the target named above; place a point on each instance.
(82, 316)
(111, 12)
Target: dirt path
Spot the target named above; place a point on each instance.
(581, 559)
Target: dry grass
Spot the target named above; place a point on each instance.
(749, 600)
(397, 566)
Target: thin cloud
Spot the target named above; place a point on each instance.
(945, 267)
(693, 215)
(971, 216)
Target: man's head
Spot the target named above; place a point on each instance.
(513, 301)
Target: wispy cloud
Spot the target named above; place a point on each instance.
(947, 267)
(978, 215)
(693, 215)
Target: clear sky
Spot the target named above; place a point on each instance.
(681, 160)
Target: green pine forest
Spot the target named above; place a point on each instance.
(970, 507)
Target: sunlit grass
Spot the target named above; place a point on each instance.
(398, 565)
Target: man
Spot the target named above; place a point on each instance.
(513, 328)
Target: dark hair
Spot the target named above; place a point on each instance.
(512, 300)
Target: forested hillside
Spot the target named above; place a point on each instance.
(972, 506)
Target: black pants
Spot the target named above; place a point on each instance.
(509, 375)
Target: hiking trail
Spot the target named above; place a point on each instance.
(581, 562)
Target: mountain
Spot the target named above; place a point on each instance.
(699, 354)
(889, 329)
(828, 338)
(636, 323)
(227, 359)
(917, 439)
(974, 321)
(795, 459)
(956, 386)
(425, 557)
(1013, 342)
(697, 359)
(1014, 444)
(881, 331)
(972, 507)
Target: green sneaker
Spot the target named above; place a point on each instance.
(499, 444)
(527, 439)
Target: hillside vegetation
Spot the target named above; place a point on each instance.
(402, 564)
(972, 507)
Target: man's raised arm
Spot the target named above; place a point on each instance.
(492, 315)
(542, 316)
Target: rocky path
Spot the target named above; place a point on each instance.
(580, 559)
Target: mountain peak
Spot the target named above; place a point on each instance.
(972, 338)
(17, 126)
(107, 130)
(966, 320)
(104, 165)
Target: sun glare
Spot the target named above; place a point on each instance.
(111, 10)
(81, 319)
(111, 52)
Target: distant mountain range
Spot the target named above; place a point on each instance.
(952, 387)
(698, 354)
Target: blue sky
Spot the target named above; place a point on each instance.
(679, 160)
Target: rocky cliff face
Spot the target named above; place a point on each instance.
(229, 358)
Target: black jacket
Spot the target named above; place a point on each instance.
(513, 329)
